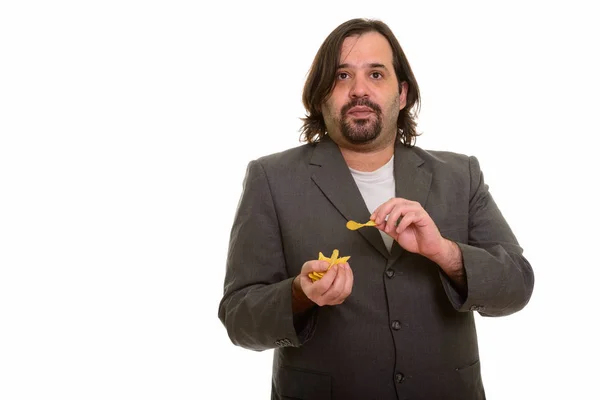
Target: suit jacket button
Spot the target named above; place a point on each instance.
(396, 325)
(399, 377)
(389, 272)
(283, 342)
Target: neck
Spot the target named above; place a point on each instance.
(367, 161)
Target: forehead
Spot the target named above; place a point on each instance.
(370, 47)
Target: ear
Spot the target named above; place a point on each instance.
(403, 94)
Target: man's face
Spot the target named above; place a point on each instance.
(362, 111)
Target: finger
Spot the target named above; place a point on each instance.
(322, 285)
(381, 213)
(406, 221)
(314, 265)
(381, 227)
(400, 211)
(349, 281)
(394, 217)
(419, 218)
(305, 280)
(336, 289)
(311, 287)
(321, 266)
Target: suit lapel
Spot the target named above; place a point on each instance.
(412, 182)
(332, 176)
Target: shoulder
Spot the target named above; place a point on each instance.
(438, 157)
(283, 166)
(287, 157)
(438, 160)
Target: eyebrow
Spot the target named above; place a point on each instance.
(370, 65)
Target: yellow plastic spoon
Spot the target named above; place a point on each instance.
(353, 225)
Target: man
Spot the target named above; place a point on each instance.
(396, 320)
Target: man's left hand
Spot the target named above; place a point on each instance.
(410, 225)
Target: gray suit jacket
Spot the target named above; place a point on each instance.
(404, 332)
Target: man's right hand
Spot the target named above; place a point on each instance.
(332, 289)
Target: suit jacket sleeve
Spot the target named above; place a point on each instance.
(499, 278)
(256, 307)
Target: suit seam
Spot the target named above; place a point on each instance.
(472, 193)
(270, 194)
(274, 211)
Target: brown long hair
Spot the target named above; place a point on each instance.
(321, 81)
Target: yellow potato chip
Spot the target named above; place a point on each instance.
(333, 260)
(353, 225)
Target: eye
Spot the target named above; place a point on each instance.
(376, 75)
(343, 75)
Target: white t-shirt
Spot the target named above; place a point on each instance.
(376, 188)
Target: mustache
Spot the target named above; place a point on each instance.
(361, 102)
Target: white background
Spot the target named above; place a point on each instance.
(126, 127)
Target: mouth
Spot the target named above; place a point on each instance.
(360, 111)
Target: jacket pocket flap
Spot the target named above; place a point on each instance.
(301, 384)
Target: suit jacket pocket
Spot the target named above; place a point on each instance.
(470, 378)
(292, 383)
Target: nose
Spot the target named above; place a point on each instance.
(359, 88)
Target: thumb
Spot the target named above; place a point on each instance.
(314, 266)
(321, 266)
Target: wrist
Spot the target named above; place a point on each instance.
(449, 258)
(300, 302)
(452, 265)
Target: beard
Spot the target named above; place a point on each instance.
(362, 130)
